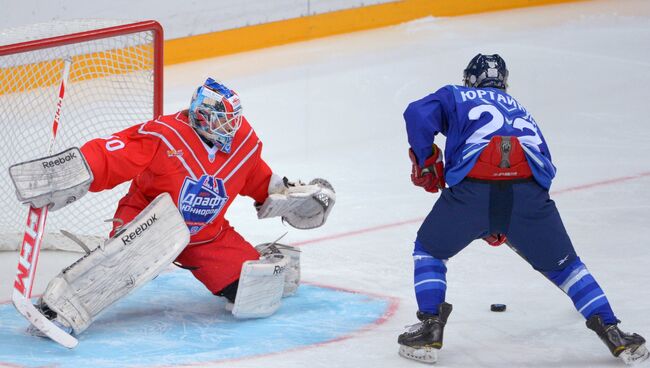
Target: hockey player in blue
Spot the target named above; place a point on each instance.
(499, 170)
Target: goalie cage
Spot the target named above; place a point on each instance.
(115, 82)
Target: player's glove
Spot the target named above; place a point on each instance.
(495, 239)
(431, 177)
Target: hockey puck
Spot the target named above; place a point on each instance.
(498, 307)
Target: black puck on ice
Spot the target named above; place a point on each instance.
(498, 307)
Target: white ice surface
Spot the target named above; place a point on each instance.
(332, 108)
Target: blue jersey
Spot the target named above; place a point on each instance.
(469, 118)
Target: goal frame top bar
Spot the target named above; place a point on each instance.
(147, 25)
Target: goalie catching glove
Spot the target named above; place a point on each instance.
(54, 181)
(303, 206)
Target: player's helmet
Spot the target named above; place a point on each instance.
(216, 113)
(486, 71)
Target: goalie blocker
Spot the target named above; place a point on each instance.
(53, 181)
(136, 254)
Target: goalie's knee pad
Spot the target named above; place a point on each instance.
(292, 271)
(261, 286)
(128, 260)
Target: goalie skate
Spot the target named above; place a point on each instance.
(43, 309)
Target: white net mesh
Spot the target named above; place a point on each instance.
(111, 87)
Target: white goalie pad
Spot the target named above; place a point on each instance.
(53, 181)
(292, 271)
(303, 206)
(137, 253)
(261, 284)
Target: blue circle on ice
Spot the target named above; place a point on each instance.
(175, 320)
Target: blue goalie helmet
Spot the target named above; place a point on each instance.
(486, 71)
(216, 113)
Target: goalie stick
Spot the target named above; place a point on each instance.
(31, 246)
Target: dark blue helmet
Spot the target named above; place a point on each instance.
(486, 71)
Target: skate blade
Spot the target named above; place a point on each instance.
(636, 356)
(424, 355)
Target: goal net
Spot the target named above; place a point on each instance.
(115, 82)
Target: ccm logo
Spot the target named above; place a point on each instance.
(128, 238)
(27, 250)
(59, 160)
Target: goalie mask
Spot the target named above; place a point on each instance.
(486, 71)
(216, 113)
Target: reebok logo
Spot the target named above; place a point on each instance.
(278, 270)
(59, 160)
(128, 238)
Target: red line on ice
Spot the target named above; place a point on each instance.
(602, 183)
(420, 219)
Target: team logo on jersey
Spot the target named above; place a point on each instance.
(200, 201)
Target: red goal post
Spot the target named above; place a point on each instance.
(116, 80)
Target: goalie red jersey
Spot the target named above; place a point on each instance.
(167, 155)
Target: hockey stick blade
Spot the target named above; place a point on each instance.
(24, 306)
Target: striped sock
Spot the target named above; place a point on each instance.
(430, 280)
(587, 296)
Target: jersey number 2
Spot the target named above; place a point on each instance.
(497, 122)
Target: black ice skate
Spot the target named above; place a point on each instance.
(628, 347)
(422, 341)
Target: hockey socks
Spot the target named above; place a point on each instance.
(587, 296)
(430, 280)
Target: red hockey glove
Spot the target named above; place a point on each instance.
(431, 177)
(495, 239)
